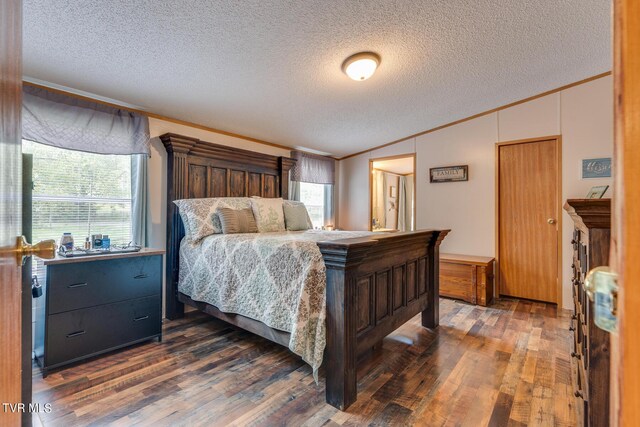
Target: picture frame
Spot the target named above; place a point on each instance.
(393, 191)
(596, 168)
(449, 174)
(597, 192)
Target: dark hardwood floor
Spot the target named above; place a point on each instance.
(507, 364)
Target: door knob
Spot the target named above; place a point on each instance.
(551, 221)
(45, 249)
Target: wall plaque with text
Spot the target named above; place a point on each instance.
(449, 174)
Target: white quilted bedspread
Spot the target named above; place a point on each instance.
(277, 278)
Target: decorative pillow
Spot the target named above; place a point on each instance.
(237, 220)
(199, 215)
(269, 214)
(185, 223)
(296, 216)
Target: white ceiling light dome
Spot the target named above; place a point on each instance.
(361, 66)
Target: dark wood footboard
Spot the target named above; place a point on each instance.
(374, 285)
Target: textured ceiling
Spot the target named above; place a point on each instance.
(271, 69)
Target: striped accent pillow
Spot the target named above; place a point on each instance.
(237, 220)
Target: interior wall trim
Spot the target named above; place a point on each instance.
(484, 113)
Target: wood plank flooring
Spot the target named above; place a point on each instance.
(505, 365)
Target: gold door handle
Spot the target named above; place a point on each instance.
(45, 249)
(551, 221)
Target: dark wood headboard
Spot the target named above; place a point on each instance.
(197, 169)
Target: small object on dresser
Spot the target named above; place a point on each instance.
(96, 241)
(106, 242)
(597, 192)
(87, 244)
(66, 241)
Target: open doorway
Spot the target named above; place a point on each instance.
(392, 192)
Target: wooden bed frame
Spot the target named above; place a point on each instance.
(374, 284)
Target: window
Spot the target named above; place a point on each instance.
(315, 197)
(81, 193)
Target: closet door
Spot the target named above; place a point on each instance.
(528, 230)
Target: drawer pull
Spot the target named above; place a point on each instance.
(137, 319)
(77, 285)
(576, 355)
(578, 393)
(571, 328)
(141, 276)
(75, 334)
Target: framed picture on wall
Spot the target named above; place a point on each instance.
(449, 174)
(596, 168)
(393, 191)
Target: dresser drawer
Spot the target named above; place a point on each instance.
(81, 333)
(86, 284)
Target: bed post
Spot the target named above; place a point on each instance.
(284, 165)
(342, 261)
(177, 149)
(431, 316)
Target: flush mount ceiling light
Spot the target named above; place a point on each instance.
(361, 66)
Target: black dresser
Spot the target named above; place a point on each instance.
(96, 304)
(591, 345)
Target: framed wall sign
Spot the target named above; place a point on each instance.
(596, 168)
(449, 174)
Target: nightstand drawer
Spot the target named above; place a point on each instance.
(87, 284)
(81, 333)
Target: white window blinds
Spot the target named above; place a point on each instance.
(81, 193)
(312, 195)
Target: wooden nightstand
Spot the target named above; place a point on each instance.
(95, 304)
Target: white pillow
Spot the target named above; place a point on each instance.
(269, 214)
(200, 218)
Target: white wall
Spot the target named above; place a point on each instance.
(158, 170)
(583, 115)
